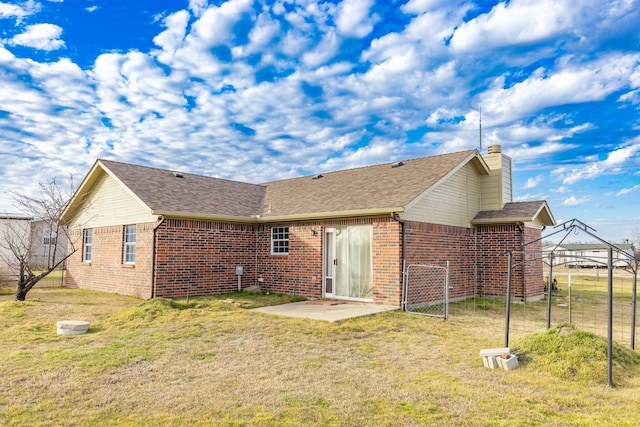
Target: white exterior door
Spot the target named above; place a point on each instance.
(348, 262)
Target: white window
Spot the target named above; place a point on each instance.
(86, 246)
(129, 244)
(279, 240)
(49, 238)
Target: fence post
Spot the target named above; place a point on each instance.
(506, 326)
(569, 286)
(610, 320)
(446, 292)
(549, 289)
(633, 307)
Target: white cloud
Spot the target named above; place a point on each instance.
(421, 6)
(173, 37)
(198, 7)
(521, 22)
(614, 160)
(532, 182)
(215, 26)
(19, 12)
(91, 8)
(529, 197)
(353, 18)
(40, 36)
(627, 190)
(571, 84)
(573, 201)
(323, 52)
(515, 22)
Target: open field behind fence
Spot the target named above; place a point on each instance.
(580, 299)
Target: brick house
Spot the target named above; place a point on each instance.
(346, 234)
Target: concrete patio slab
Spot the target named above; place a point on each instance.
(330, 311)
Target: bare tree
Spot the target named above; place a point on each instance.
(19, 244)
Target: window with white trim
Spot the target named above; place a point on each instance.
(87, 243)
(49, 238)
(279, 240)
(129, 244)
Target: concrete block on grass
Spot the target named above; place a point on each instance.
(72, 327)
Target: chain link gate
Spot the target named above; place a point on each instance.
(426, 290)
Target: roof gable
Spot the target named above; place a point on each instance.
(516, 212)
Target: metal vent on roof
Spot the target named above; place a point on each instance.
(317, 176)
(178, 175)
(397, 164)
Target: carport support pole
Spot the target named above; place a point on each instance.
(610, 320)
(634, 296)
(506, 327)
(549, 289)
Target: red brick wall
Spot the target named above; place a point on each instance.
(200, 257)
(436, 244)
(533, 272)
(300, 272)
(106, 271)
(478, 258)
(493, 243)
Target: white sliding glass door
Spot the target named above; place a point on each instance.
(348, 258)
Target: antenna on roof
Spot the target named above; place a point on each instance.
(480, 130)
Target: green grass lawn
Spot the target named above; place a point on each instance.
(212, 361)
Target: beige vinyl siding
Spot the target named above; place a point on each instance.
(497, 187)
(536, 223)
(453, 202)
(110, 204)
(507, 189)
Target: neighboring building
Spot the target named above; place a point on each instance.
(33, 238)
(347, 234)
(15, 229)
(588, 255)
(47, 244)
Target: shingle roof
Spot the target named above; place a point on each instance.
(162, 190)
(365, 190)
(513, 211)
(384, 186)
(380, 187)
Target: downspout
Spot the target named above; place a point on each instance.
(520, 226)
(153, 257)
(396, 217)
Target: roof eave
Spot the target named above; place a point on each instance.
(493, 221)
(256, 219)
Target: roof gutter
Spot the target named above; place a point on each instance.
(491, 221)
(257, 219)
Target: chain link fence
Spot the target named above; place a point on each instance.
(55, 279)
(426, 290)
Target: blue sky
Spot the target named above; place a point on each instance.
(263, 90)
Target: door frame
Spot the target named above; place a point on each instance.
(329, 264)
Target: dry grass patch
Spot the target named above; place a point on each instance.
(209, 361)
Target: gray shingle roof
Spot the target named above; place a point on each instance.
(385, 186)
(161, 190)
(512, 211)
